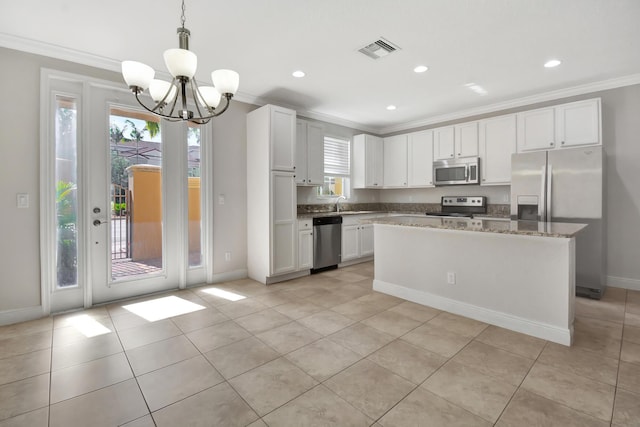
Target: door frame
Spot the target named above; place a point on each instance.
(80, 87)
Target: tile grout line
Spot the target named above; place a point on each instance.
(131, 368)
(522, 382)
(615, 389)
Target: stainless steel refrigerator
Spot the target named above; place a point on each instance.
(565, 185)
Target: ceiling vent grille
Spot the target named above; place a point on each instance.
(379, 48)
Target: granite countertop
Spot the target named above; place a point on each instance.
(525, 228)
(343, 213)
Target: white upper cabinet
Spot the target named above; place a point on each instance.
(565, 125)
(444, 143)
(309, 153)
(536, 129)
(578, 123)
(367, 161)
(283, 138)
(420, 159)
(466, 139)
(451, 142)
(395, 161)
(497, 140)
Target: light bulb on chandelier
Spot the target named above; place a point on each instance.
(182, 64)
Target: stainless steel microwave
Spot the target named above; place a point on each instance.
(457, 171)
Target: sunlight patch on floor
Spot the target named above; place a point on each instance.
(217, 292)
(163, 308)
(88, 326)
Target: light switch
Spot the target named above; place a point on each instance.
(22, 200)
(221, 199)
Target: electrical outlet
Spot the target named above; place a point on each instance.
(227, 256)
(221, 199)
(451, 278)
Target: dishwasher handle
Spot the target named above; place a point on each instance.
(327, 220)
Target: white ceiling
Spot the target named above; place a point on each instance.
(500, 45)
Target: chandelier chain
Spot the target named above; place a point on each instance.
(182, 18)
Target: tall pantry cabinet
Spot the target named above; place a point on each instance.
(271, 193)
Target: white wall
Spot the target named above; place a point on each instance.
(621, 134)
(19, 164)
(621, 144)
(19, 160)
(496, 194)
(230, 180)
(307, 195)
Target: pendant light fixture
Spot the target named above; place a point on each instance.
(182, 64)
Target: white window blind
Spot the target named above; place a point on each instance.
(336, 157)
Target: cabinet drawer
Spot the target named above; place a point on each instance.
(305, 224)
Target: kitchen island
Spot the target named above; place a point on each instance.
(518, 275)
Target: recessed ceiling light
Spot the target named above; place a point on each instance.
(298, 74)
(391, 107)
(421, 69)
(552, 63)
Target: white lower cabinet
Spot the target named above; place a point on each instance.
(305, 244)
(357, 239)
(350, 242)
(366, 240)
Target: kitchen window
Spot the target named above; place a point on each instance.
(337, 171)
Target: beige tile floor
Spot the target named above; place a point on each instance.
(320, 350)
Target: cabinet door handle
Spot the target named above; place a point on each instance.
(551, 143)
(452, 155)
(458, 154)
(562, 143)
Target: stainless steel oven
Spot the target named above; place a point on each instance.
(456, 171)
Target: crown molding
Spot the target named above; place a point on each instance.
(58, 52)
(519, 102)
(84, 58)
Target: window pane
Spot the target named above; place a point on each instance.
(66, 191)
(337, 161)
(333, 186)
(136, 193)
(195, 197)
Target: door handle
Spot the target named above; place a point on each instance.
(97, 222)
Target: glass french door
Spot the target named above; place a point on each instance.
(144, 203)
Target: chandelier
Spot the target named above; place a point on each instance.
(182, 64)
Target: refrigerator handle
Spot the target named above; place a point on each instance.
(549, 191)
(542, 206)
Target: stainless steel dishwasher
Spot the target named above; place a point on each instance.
(327, 242)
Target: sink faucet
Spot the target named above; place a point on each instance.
(338, 202)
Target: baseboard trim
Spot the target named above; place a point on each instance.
(623, 282)
(504, 320)
(355, 261)
(9, 317)
(229, 275)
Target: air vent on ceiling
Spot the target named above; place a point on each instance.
(379, 49)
